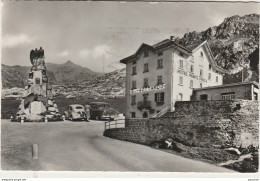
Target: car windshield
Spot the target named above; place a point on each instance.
(79, 107)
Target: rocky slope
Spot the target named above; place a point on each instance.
(110, 85)
(231, 42)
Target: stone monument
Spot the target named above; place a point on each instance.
(37, 103)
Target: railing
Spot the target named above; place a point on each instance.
(114, 124)
(144, 104)
(162, 112)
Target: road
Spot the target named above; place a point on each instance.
(81, 146)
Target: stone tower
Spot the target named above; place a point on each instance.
(37, 103)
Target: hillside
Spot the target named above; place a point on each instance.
(67, 73)
(109, 85)
(231, 42)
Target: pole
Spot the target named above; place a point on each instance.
(35, 151)
(103, 63)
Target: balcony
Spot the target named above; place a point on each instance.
(144, 105)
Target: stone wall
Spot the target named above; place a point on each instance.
(198, 123)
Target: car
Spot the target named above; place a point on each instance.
(75, 112)
(102, 111)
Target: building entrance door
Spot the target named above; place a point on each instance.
(145, 114)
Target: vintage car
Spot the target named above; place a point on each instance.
(102, 110)
(75, 112)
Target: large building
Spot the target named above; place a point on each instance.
(157, 76)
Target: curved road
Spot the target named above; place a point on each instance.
(81, 146)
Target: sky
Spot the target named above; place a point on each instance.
(90, 33)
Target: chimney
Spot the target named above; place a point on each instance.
(172, 38)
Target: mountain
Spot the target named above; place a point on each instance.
(109, 85)
(67, 73)
(231, 42)
(234, 44)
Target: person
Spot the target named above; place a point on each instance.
(87, 109)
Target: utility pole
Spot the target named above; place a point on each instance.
(103, 64)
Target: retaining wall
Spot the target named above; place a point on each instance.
(198, 123)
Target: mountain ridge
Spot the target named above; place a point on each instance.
(66, 73)
(234, 44)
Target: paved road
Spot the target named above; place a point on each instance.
(81, 146)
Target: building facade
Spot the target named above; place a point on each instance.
(241, 90)
(157, 76)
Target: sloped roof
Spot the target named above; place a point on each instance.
(190, 49)
(193, 46)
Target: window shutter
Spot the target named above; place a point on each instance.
(162, 96)
(155, 97)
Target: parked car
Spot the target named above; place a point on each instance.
(102, 110)
(75, 112)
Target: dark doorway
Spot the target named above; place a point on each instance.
(145, 115)
(204, 97)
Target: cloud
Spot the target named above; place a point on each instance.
(64, 53)
(97, 52)
(84, 53)
(11, 41)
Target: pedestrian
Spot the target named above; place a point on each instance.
(87, 109)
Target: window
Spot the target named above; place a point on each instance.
(160, 53)
(132, 114)
(145, 97)
(181, 54)
(209, 67)
(159, 64)
(201, 54)
(181, 63)
(134, 84)
(146, 69)
(146, 83)
(180, 97)
(255, 96)
(146, 53)
(133, 70)
(191, 83)
(133, 102)
(159, 80)
(201, 73)
(228, 95)
(209, 77)
(216, 78)
(180, 80)
(191, 68)
(30, 75)
(134, 62)
(159, 97)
